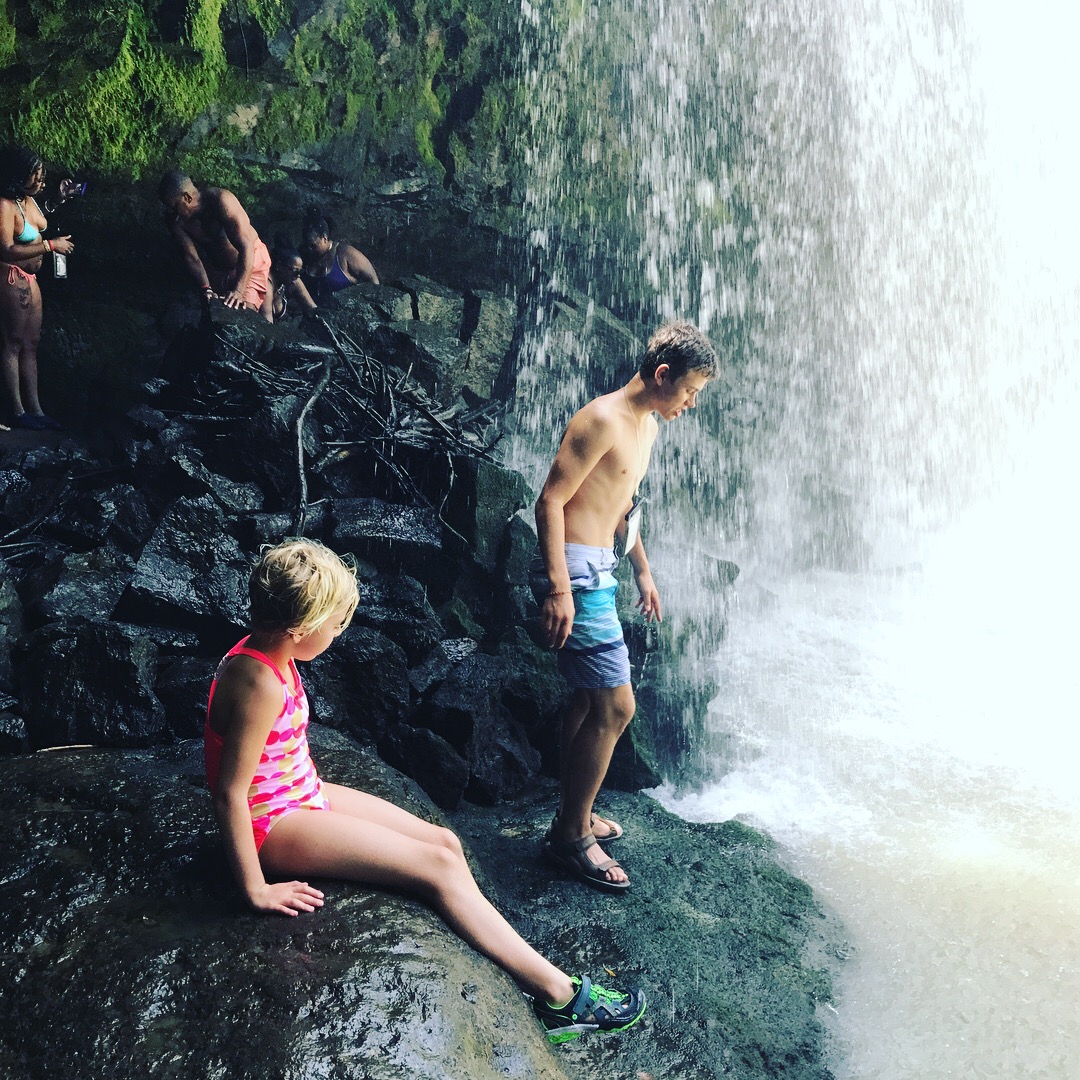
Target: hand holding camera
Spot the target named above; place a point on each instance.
(69, 188)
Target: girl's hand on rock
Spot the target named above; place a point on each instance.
(287, 898)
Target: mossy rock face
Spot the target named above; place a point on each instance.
(363, 86)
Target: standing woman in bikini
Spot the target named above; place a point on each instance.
(22, 251)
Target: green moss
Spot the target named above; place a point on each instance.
(109, 93)
(271, 15)
(7, 39)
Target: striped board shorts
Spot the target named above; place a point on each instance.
(595, 655)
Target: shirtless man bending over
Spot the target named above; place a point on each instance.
(221, 249)
(580, 514)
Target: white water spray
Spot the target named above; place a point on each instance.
(886, 246)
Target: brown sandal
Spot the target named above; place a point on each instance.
(570, 855)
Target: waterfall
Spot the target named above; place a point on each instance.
(869, 208)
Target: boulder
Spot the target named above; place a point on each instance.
(191, 572)
(435, 305)
(14, 738)
(434, 357)
(466, 710)
(117, 514)
(116, 901)
(361, 685)
(183, 687)
(489, 335)
(89, 585)
(486, 497)
(430, 760)
(397, 605)
(408, 538)
(730, 949)
(90, 682)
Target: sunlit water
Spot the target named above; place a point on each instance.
(912, 742)
(897, 693)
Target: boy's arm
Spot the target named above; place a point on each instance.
(253, 711)
(648, 598)
(588, 437)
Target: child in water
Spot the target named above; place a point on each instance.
(279, 821)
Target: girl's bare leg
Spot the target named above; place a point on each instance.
(367, 839)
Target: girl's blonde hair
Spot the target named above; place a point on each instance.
(297, 585)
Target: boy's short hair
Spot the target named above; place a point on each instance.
(297, 585)
(683, 347)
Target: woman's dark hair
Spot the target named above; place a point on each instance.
(284, 251)
(17, 164)
(316, 225)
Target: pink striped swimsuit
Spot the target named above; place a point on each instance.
(285, 779)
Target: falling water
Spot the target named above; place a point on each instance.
(871, 208)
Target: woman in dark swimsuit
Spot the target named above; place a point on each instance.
(330, 266)
(22, 250)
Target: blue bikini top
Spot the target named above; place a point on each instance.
(29, 233)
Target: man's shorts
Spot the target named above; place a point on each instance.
(595, 655)
(224, 281)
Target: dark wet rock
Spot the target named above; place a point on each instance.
(466, 709)
(182, 686)
(237, 332)
(430, 760)
(273, 528)
(146, 421)
(195, 479)
(191, 572)
(13, 735)
(89, 586)
(533, 691)
(520, 548)
(118, 514)
(486, 498)
(264, 447)
(405, 537)
(168, 639)
(457, 619)
(397, 605)
(490, 334)
(116, 900)
(727, 945)
(90, 683)
(434, 357)
(361, 686)
(358, 312)
(10, 622)
(437, 664)
(634, 765)
(435, 304)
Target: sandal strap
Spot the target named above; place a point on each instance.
(583, 999)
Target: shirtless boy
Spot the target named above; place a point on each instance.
(580, 514)
(221, 249)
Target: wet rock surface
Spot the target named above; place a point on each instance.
(117, 906)
(731, 949)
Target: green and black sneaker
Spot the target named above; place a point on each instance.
(592, 1008)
